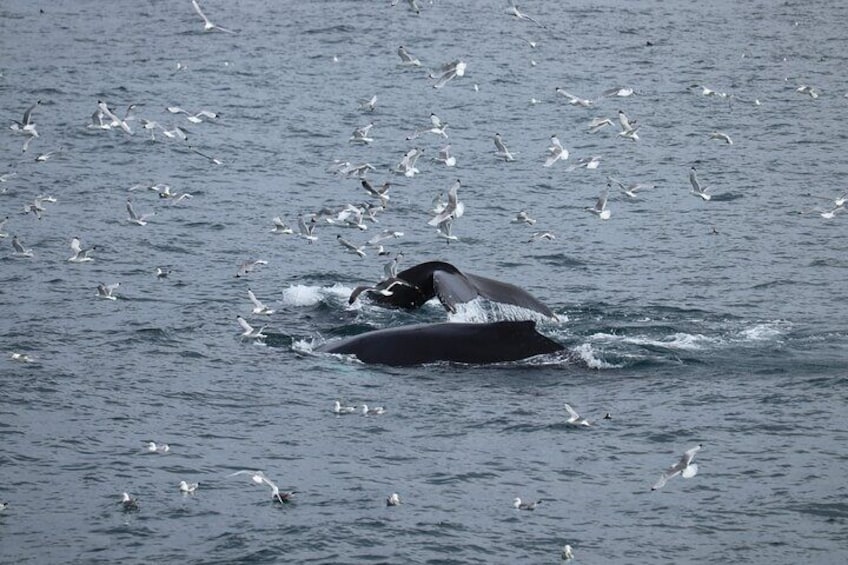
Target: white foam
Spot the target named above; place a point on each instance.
(763, 332)
(304, 345)
(588, 355)
(481, 311)
(303, 295)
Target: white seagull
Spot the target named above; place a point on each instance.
(449, 71)
(375, 411)
(259, 478)
(139, 220)
(453, 209)
(721, 136)
(502, 151)
(574, 418)
(107, 290)
(600, 208)
(519, 505)
(249, 332)
(339, 409)
(514, 11)
(154, 447)
(280, 226)
(407, 59)
(684, 468)
(574, 100)
(188, 488)
(556, 152)
(445, 157)
(348, 245)
(697, 189)
(258, 306)
(207, 25)
(80, 254)
(20, 251)
(393, 499)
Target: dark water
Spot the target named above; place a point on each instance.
(735, 340)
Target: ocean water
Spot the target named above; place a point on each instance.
(720, 322)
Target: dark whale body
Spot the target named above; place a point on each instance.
(493, 342)
(452, 286)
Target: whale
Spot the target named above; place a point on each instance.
(413, 287)
(492, 342)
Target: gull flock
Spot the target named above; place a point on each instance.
(352, 220)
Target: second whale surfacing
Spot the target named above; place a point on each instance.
(493, 342)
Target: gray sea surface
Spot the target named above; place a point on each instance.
(719, 322)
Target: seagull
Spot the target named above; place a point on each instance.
(628, 128)
(684, 468)
(128, 502)
(829, 214)
(804, 89)
(598, 123)
(26, 126)
(437, 127)
(406, 166)
(258, 307)
(47, 156)
(20, 251)
(20, 357)
(709, 92)
(407, 59)
(631, 189)
(575, 418)
(385, 291)
(188, 488)
(280, 226)
(35, 207)
(360, 134)
(376, 411)
(587, 162)
(368, 104)
(249, 332)
(523, 217)
(518, 505)
(445, 157)
(7, 176)
(98, 123)
(393, 499)
(413, 5)
(3, 506)
(697, 189)
(80, 254)
(567, 553)
(345, 243)
(600, 207)
(259, 478)
(443, 230)
(193, 118)
(115, 120)
(154, 447)
(540, 235)
(207, 25)
(722, 137)
(502, 150)
(449, 71)
(574, 100)
(555, 152)
(390, 269)
(248, 265)
(383, 236)
(452, 210)
(514, 11)
(162, 273)
(214, 160)
(135, 218)
(838, 202)
(620, 91)
(306, 229)
(339, 409)
(2, 224)
(174, 133)
(106, 290)
(380, 192)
